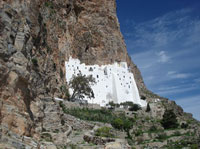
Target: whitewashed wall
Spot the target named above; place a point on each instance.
(114, 82)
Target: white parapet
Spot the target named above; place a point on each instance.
(114, 82)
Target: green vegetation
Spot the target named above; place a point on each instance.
(134, 107)
(138, 132)
(169, 120)
(49, 4)
(177, 133)
(73, 146)
(131, 106)
(35, 62)
(181, 144)
(153, 129)
(118, 121)
(81, 86)
(162, 136)
(184, 125)
(111, 104)
(143, 97)
(104, 116)
(104, 132)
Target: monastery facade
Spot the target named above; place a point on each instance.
(114, 82)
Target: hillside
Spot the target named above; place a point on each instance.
(37, 37)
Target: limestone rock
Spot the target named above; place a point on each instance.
(116, 145)
(36, 38)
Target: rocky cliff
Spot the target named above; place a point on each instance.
(36, 38)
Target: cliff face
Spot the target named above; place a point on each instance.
(36, 38)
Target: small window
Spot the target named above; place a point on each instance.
(97, 76)
(77, 67)
(90, 69)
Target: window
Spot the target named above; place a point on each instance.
(90, 69)
(97, 76)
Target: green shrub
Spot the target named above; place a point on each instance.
(143, 97)
(153, 128)
(138, 132)
(177, 133)
(184, 125)
(162, 136)
(194, 146)
(126, 104)
(169, 120)
(35, 62)
(49, 4)
(134, 107)
(104, 132)
(112, 104)
(117, 123)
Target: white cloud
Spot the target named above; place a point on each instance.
(176, 75)
(172, 90)
(174, 71)
(163, 58)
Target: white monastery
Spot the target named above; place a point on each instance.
(114, 82)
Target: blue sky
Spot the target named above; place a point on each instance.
(163, 39)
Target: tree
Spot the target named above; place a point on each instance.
(81, 86)
(169, 120)
(117, 123)
(148, 108)
(135, 107)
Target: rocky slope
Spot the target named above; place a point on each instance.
(36, 38)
